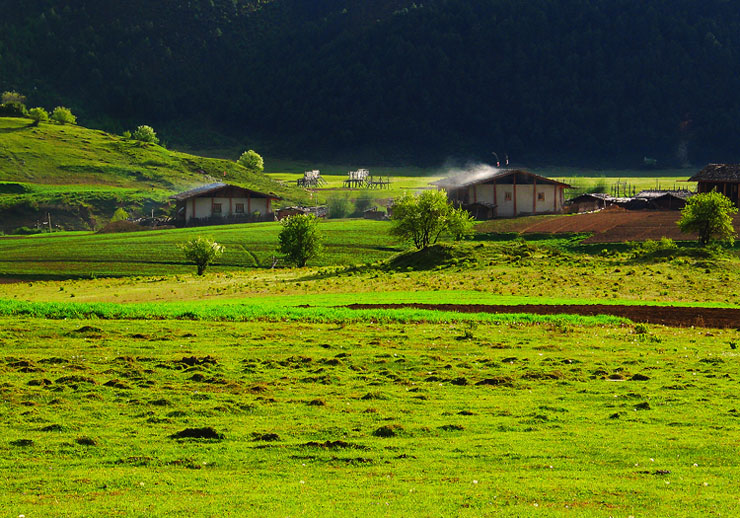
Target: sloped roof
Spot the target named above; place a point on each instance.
(718, 173)
(204, 190)
(465, 179)
(601, 196)
(682, 194)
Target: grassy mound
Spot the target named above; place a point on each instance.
(83, 175)
(441, 255)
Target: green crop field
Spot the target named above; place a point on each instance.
(157, 252)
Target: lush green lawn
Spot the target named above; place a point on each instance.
(413, 419)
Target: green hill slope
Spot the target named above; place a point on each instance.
(81, 176)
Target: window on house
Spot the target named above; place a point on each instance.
(507, 196)
(217, 208)
(239, 208)
(540, 196)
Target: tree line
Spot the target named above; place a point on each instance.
(617, 79)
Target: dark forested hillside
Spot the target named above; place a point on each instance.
(541, 78)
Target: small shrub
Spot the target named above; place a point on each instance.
(119, 215)
(145, 133)
(38, 114)
(13, 109)
(126, 134)
(202, 251)
(252, 161)
(62, 115)
(12, 97)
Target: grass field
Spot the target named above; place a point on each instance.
(412, 419)
(132, 387)
(157, 252)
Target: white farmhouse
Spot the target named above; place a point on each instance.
(504, 193)
(223, 203)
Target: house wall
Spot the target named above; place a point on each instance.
(204, 205)
(526, 202)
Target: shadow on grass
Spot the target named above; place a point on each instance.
(19, 128)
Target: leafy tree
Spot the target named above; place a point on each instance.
(145, 133)
(424, 218)
(300, 239)
(119, 215)
(338, 206)
(13, 110)
(63, 115)
(709, 214)
(38, 114)
(202, 251)
(459, 224)
(252, 161)
(12, 97)
(363, 202)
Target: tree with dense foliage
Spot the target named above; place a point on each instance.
(62, 115)
(387, 73)
(119, 215)
(145, 133)
(459, 223)
(202, 251)
(710, 215)
(12, 97)
(300, 239)
(338, 206)
(38, 114)
(424, 218)
(252, 161)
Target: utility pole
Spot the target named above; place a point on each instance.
(48, 219)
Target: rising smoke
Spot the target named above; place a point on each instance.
(470, 173)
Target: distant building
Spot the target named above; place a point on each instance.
(223, 203)
(723, 177)
(643, 200)
(665, 200)
(286, 212)
(589, 202)
(505, 193)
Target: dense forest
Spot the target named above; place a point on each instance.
(542, 79)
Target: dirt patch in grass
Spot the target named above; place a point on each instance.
(198, 433)
(332, 445)
(675, 316)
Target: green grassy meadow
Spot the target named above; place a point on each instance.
(132, 387)
(400, 419)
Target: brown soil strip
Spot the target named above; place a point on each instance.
(675, 316)
(613, 225)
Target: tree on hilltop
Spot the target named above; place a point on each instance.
(252, 161)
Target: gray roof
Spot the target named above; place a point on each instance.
(718, 173)
(466, 178)
(204, 190)
(653, 194)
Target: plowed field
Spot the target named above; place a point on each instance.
(675, 316)
(614, 225)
